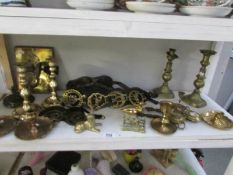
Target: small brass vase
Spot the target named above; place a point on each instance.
(53, 99)
(163, 125)
(194, 99)
(164, 91)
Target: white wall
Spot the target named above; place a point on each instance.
(136, 62)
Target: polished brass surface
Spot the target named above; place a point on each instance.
(54, 99)
(36, 55)
(166, 157)
(118, 99)
(217, 120)
(136, 98)
(95, 101)
(7, 125)
(88, 125)
(133, 123)
(33, 129)
(163, 125)
(164, 91)
(132, 110)
(194, 99)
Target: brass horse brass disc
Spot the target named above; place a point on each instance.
(164, 128)
(7, 125)
(33, 129)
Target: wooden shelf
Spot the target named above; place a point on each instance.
(111, 137)
(147, 160)
(68, 22)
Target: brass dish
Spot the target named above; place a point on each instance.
(33, 129)
(7, 125)
(217, 120)
(193, 116)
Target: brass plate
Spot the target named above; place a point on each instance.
(164, 128)
(7, 125)
(217, 120)
(33, 129)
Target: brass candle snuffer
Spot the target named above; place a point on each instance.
(164, 91)
(30, 126)
(194, 99)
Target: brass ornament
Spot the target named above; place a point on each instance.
(88, 125)
(136, 98)
(163, 125)
(133, 123)
(72, 97)
(132, 110)
(95, 101)
(194, 99)
(117, 99)
(217, 120)
(53, 100)
(164, 91)
(7, 125)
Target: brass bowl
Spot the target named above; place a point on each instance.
(7, 125)
(217, 120)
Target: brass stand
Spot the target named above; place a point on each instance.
(164, 91)
(53, 100)
(163, 125)
(194, 99)
(31, 126)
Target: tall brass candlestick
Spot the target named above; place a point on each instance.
(53, 100)
(164, 91)
(30, 126)
(194, 99)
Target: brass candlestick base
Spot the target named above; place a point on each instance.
(163, 125)
(7, 125)
(164, 91)
(33, 129)
(194, 99)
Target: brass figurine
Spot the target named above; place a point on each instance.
(194, 99)
(88, 125)
(30, 126)
(166, 157)
(164, 91)
(53, 100)
(217, 120)
(163, 125)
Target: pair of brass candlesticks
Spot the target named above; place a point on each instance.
(26, 122)
(194, 99)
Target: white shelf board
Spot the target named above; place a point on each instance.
(63, 137)
(69, 22)
(147, 160)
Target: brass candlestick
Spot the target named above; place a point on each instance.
(164, 91)
(30, 126)
(163, 125)
(53, 100)
(194, 99)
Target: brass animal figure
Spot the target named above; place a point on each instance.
(88, 125)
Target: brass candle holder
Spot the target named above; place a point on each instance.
(194, 99)
(52, 100)
(30, 126)
(163, 125)
(164, 91)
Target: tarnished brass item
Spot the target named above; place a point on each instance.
(164, 91)
(165, 156)
(33, 129)
(163, 125)
(88, 125)
(95, 101)
(217, 120)
(7, 125)
(117, 98)
(30, 125)
(136, 98)
(72, 97)
(133, 123)
(194, 99)
(54, 99)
